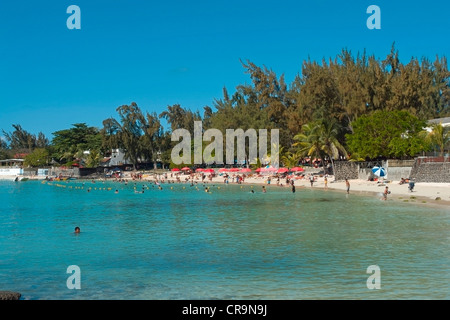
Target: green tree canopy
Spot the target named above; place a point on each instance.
(394, 134)
(67, 143)
(38, 158)
(439, 137)
(21, 140)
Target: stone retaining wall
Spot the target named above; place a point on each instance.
(423, 170)
(346, 170)
(431, 172)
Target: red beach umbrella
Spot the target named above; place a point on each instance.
(185, 169)
(246, 170)
(223, 170)
(297, 169)
(234, 170)
(209, 170)
(258, 170)
(175, 170)
(282, 170)
(199, 170)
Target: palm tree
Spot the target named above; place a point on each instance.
(319, 139)
(330, 143)
(309, 140)
(290, 159)
(439, 136)
(93, 159)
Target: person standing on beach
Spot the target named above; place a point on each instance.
(347, 184)
(311, 179)
(326, 182)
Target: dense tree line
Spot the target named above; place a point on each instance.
(353, 107)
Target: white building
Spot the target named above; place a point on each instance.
(444, 121)
(117, 158)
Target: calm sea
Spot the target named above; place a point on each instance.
(184, 243)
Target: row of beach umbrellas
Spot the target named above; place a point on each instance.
(378, 171)
(264, 169)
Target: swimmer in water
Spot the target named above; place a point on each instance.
(77, 230)
(385, 193)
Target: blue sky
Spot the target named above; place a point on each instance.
(162, 53)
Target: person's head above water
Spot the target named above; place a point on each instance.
(77, 229)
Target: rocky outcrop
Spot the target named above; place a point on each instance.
(9, 295)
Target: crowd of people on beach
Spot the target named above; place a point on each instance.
(195, 179)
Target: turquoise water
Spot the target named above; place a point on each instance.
(182, 243)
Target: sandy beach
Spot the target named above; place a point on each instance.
(423, 193)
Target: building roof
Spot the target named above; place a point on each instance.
(445, 121)
(12, 160)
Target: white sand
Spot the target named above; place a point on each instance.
(422, 193)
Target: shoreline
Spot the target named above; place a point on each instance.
(424, 193)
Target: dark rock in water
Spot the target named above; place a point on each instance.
(9, 295)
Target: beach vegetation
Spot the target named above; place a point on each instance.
(359, 104)
(319, 139)
(439, 138)
(290, 159)
(22, 141)
(391, 134)
(70, 144)
(38, 158)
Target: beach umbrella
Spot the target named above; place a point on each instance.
(223, 170)
(175, 170)
(246, 170)
(297, 169)
(234, 170)
(209, 170)
(185, 169)
(379, 171)
(258, 170)
(199, 170)
(282, 170)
